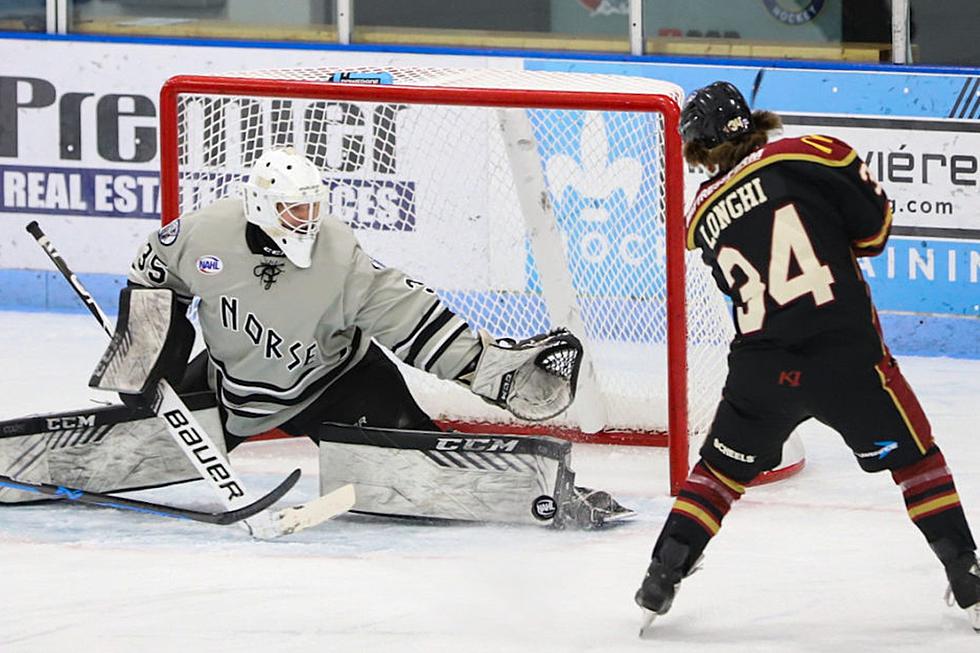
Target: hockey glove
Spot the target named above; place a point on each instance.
(534, 379)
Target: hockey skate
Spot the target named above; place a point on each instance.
(663, 577)
(588, 508)
(964, 586)
(585, 508)
(963, 573)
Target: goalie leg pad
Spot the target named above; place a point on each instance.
(487, 478)
(104, 449)
(463, 476)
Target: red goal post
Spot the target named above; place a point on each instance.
(562, 193)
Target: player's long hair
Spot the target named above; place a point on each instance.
(724, 157)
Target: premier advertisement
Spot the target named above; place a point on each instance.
(79, 137)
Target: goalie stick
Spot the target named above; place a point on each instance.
(151, 508)
(194, 441)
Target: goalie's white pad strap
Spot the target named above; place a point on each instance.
(446, 475)
(103, 449)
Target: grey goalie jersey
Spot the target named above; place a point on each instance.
(277, 335)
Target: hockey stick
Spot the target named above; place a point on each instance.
(756, 83)
(150, 508)
(194, 441)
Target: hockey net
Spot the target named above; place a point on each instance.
(526, 199)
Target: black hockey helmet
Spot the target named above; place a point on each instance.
(714, 114)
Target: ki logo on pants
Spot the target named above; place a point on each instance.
(791, 378)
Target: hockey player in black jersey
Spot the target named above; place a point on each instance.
(781, 225)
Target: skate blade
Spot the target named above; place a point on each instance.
(621, 516)
(646, 630)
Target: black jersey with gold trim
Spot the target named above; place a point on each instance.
(781, 232)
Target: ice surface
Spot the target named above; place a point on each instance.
(824, 561)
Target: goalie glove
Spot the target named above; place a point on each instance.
(534, 379)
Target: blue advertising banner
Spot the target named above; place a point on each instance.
(608, 208)
(80, 191)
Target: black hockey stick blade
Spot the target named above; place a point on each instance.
(150, 508)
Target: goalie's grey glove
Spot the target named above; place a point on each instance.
(534, 379)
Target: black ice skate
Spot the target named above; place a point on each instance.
(663, 577)
(963, 572)
(964, 586)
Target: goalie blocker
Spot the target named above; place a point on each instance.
(152, 340)
(461, 476)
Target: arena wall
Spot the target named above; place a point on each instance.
(78, 152)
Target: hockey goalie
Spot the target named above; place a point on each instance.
(299, 325)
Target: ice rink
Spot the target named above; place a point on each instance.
(825, 561)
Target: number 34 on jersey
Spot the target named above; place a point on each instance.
(781, 230)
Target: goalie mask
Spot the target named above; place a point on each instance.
(285, 196)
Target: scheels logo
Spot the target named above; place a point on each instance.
(209, 264)
(606, 7)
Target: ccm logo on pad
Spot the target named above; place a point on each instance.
(476, 444)
(209, 264)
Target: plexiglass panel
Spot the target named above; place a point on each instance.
(945, 33)
(22, 16)
(588, 25)
(778, 29)
(246, 19)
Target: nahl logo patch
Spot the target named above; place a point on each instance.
(544, 508)
(209, 264)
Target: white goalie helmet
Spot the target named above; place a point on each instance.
(285, 196)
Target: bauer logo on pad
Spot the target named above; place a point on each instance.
(209, 264)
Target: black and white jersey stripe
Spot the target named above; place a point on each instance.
(400, 348)
(431, 337)
(440, 347)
